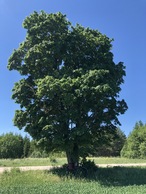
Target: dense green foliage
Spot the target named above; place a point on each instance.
(70, 85)
(135, 146)
(16, 146)
(112, 147)
(11, 146)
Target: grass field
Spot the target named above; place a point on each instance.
(117, 180)
(59, 161)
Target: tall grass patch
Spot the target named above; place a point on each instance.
(117, 180)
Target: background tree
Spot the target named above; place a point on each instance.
(11, 146)
(17, 146)
(112, 147)
(135, 145)
(70, 85)
(26, 146)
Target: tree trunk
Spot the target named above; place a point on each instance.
(73, 157)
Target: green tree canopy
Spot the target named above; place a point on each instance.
(112, 147)
(70, 85)
(11, 146)
(135, 146)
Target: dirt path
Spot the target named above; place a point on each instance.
(26, 168)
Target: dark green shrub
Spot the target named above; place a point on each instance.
(89, 164)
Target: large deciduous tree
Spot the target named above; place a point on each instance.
(70, 85)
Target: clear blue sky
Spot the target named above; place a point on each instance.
(123, 20)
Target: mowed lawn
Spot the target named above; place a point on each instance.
(117, 180)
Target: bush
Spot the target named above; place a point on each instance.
(38, 154)
(90, 166)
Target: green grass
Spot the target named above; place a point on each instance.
(116, 160)
(59, 161)
(31, 162)
(117, 180)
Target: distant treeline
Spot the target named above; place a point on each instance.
(16, 146)
(134, 146)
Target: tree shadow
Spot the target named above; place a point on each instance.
(109, 176)
(121, 176)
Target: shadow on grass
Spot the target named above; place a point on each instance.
(110, 176)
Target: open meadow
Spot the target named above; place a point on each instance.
(55, 161)
(109, 180)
